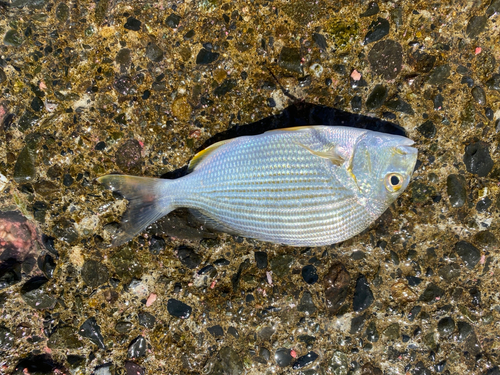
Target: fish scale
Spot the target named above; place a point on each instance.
(303, 187)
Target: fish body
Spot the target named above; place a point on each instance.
(305, 186)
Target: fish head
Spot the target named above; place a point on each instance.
(382, 166)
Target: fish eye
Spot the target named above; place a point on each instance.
(393, 182)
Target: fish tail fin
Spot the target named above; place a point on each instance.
(149, 199)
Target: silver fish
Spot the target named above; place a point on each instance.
(304, 186)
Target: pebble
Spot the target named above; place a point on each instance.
(422, 62)
(456, 190)
(363, 296)
(290, 59)
(132, 24)
(464, 330)
(369, 369)
(338, 363)
(146, 320)
(137, 347)
(356, 103)
(468, 252)
(377, 30)
(156, 245)
(494, 82)
(371, 332)
(386, 58)
(12, 38)
(476, 26)
(188, 257)
(306, 304)
(206, 57)
(283, 357)
(154, 53)
(91, 330)
(3, 76)
(483, 204)
(173, 20)
(128, 157)
(132, 368)
(280, 264)
(357, 323)
(399, 105)
(94, 273)
(64, 338)
(304, 360)
(446, 326)
(62, 12)
(178, 309)
(485, 240)
(309, 274)
(47, 265)
(320, 41)
(439, 75)
(420, 369)
(35, 295)
(40, 364)
(261, 259)
(371, 10)
(392, 332)
(24, 169)
(438, 101)
(449, 272)
(376, 97)
(431, 294)
(265, 333)
(216, 331)
(10, 273)
(477, 159)
(427, 129)
(123, 327)
(336, 284)
(479, 95)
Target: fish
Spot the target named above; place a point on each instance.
(301, 186)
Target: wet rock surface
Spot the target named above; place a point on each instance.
(136, 88)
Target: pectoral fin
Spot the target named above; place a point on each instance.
(330, 154)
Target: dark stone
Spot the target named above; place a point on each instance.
(156, 245)
(132, 24)
(363, 296)
(320, 41)
(336, 285)
(188, 257)
(306, 304)
(477, 159)
(305, 360)
(137, 347)
(64, 338)
(34, 294)
(206, 57)
(413, 280)
(12, 38)
(231, 361)
(427, 129)
(283, 357)
(468, 252)
(356, 103)
(28, 120)
(216, 331)
(479, 95)
(154, 53)
(421, 192)
(307, 339)
(37, 104)
(309, 274)
(386, 58)
(399, 105)
(377, 30)
(42, 364)
(6, 338)
(173, 20)
(178, 309)
(494, 8)
(449, 272)
(371, 332)
(146, 320)
(126, 265)
(122, 85)
(446, 326)
(261, 259)
(10, 273)
(483, 204)
(123, 327)
(123, 57)
(47, 265)
(233, 332)
(377, 97)
(464, 330)
(222, 262)
(225, 87)
(3, 76)
(94, 273)
(91, 330)
(422, 62)
(431, 294)
(265, 333)
(128, 156)
(420, 369)
(439, 75)
(68, 180)
(290, 59)
(438, 102)
(456, 189)
(132, 368)
(494, 82)
(476, 26)
(280, 264)
(371, 10)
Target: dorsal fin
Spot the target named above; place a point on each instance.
(198, 158)
(296, 128)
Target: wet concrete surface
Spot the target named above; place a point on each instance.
(89, 88)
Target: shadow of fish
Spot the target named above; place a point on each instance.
(303, 186)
